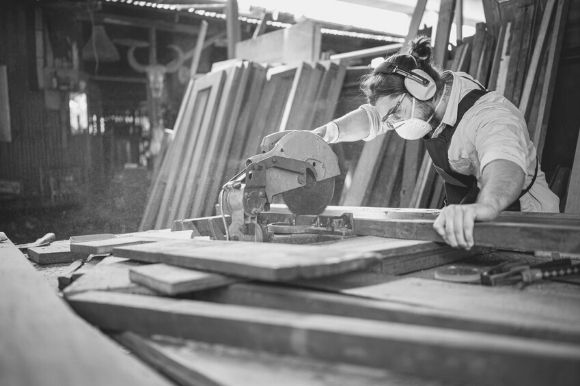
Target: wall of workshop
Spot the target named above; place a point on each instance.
(50, 164)
(564, 123)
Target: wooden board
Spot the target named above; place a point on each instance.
(514, 235)
(573, 197)
(106, 246)
(334, 298)
(170, 280)
(44, 343)
(194, 363)
(503, 302)
(228, 111)
(55, 253)
(5, 125)
(444, 23)
(265, 261)
(158, 186)
(458, 356)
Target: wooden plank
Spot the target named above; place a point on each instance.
(207, 91)
(477, 49)
(227, 115)
(41, 337)
(497, 56)
(301, 88)
(414, 154)
(518, 236)
(194, 363)
(343, 301)
(444, 23)
(540, 126)
(5, 125)
(208, 115)
(573, 196)
(55, 253)
(425, 351)
(390, 172)
(176, 147)
(533, 67)
(107, 245)
(503, 303)
(264, 261)
(198, 49)
(233, 27)
(170, 280)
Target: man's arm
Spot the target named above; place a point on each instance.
(502, 182)
(351, 127)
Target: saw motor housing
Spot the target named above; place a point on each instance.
(296, 163)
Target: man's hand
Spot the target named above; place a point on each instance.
(455, 222)
(269, 140)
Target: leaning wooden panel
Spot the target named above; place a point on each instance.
(265, 261)
(573, 198)
(454, 356)
(44, 343)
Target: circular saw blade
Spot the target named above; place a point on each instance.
(311, 198)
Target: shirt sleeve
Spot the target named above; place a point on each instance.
(502, 137)
(376, 127)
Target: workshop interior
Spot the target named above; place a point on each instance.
(269, 192)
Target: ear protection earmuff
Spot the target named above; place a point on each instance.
(417, 82)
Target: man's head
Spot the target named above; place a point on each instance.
(403, 87)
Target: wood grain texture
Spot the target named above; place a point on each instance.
(106, 246)
(170, 280)
(265, 261)
(458, 356)
(515, 235)
(55, 253)
(366, 296)
(194, 363)
(41, 338)
(5, 125)
(444, 23)
(573, 197)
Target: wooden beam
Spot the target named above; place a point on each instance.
(513, 235)
(199, 45)
(539, 319)
(444, 22)
(170, 280)
(44, 343)
(233, 27)
(425, 351)
(56, 253)
(573, 197)
(190, 363)
(5, 125)
(264, 261)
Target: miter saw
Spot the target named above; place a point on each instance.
(300, 168)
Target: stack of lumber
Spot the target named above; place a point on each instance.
(365, 309)
(516, 54)
(222, 120)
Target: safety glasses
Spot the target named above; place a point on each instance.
(389, 118)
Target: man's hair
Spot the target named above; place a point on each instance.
(375, 85)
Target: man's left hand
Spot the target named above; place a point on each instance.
(455, 222)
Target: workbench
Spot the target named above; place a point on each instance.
(386, 322)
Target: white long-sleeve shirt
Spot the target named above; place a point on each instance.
(492, 129)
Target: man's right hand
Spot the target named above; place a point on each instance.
(269, 140)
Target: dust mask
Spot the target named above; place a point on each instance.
(414, 128)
